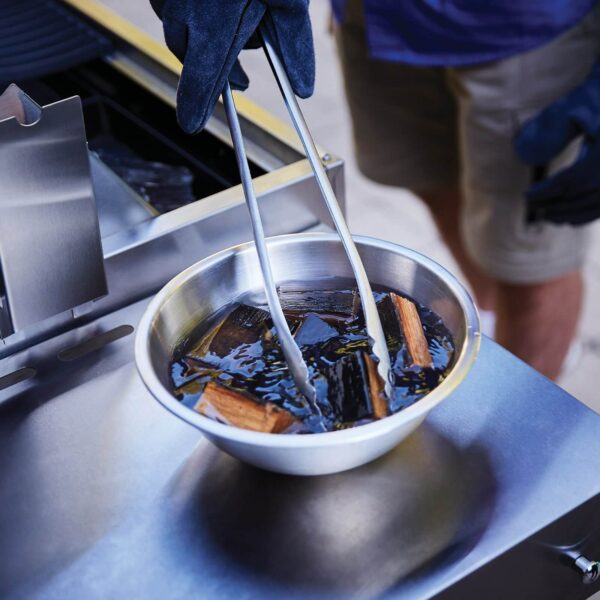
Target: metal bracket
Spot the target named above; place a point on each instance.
(50, 251)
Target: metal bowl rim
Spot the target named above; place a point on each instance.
(364, 432)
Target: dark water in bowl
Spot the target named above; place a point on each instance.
(329, 327)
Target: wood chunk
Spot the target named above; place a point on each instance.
(391, 323)
(241, 410)
(196, 366)
(412, 328)
(189, 369)
(348, 389)
(244, 325)
(356, 304)
(333, 306)
(378, 401)
(202, 347)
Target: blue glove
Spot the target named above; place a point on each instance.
(208, 35)
(572, 195)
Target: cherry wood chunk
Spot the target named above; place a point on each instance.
(202, 347)
(241, 410)
(347, 388)
(356, 305)
(244, 325)
(378, 402)
(354, 388)
(412, 328)
(390, 323)
(333, 306)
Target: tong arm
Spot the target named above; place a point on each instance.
(291, 351)
(373, 323)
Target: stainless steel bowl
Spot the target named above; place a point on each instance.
(209, 285)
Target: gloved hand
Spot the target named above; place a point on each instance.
(208, 35)
(572, 195)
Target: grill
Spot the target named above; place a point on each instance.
(104, 494)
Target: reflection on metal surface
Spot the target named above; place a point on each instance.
(590, 569)
(119, 207)
(95, 343)
(98, 482)
(18, 376)
(15, 103)
(351, 535)
(50, 251)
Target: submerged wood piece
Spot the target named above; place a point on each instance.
(202, 347)
(348, 388)
(356, 305)
(378, 401)
(334, 306)
(390, 323)
(416, 342)
(244, 325)
(189, 369)
(241, 410)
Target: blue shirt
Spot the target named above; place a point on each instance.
(462, 32)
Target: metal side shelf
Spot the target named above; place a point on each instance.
(105, 494)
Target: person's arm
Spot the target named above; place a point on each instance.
(208, 36)
(572, 195)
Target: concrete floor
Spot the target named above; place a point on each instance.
(376, 210)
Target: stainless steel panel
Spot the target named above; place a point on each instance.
(50, 252)
(540, 567)
(119, 207)
(105, 494)
(140, 260)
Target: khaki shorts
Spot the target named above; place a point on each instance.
(431, 129)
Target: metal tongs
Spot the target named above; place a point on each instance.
(291, 351)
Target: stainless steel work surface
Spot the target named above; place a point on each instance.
(104, 494)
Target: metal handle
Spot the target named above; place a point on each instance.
(291, 351)
(589, 568)
(373, 323)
